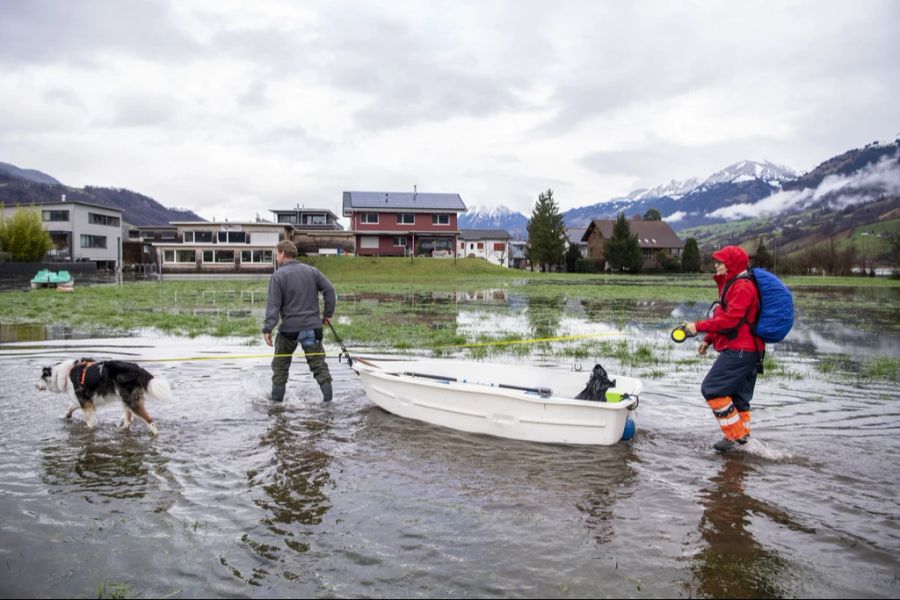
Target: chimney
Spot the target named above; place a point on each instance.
(415, 192)
(63, 198)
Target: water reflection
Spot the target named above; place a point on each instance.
(734, 563)
(115, 467)
(294, 487)
(544, 315)
(607, 479)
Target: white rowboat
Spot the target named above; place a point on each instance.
(511, 401)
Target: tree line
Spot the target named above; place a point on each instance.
(547, 243)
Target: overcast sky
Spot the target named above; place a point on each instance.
(232, 108)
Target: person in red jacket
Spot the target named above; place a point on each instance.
(728, 387)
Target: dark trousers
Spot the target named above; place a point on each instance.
(733, 374)
(311, 342)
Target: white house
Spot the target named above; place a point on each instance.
(489, 244)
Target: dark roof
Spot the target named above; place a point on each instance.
(402, 201)
(574, 234)
(650, 234)
(484, 234)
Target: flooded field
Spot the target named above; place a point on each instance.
(237, 497)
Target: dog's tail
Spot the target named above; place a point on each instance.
(158, 389)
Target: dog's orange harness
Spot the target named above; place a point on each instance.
(85, 364)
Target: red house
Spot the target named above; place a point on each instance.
(402, 223)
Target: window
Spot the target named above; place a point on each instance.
(499, 246)
(314, 220)
(55, 215)
(232, 237)
(198, 237)
(481, 245)
(180, 256)
(93, 241)
(400, 240)
(256, 256)
(369, 218)
(368, 241)
(440, 219)
(98, 219)
(218, 256)
(406, 219)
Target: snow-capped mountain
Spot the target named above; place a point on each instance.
(748, 170)
(674, 189)
(688, 203)
(500, 217)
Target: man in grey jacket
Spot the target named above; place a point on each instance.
(294, 297)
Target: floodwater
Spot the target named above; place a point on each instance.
(240, 498)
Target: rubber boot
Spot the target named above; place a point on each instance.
(745, 419)
(278, 393)
(730, 421)
(326, 391)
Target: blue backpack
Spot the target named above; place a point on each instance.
(776, 306)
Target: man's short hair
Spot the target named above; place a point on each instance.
(287, 248)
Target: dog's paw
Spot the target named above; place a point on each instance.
(154, 429)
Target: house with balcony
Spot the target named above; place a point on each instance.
(81, 231)
(219, 248)
(404, 223)
(490, 244)
(656, 238)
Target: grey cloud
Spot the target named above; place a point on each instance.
(139, 110)
(646, 53)
(65, 97)
(291, 141)
(47, 31)
(656, 161)
(254, 96)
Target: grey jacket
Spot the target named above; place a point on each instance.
(294, 296)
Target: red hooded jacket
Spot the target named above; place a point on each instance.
(742, 301)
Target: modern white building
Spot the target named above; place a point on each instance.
(81, 231)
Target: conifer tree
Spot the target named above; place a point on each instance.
(546, 233)
(623, 250)
(762, 258)
(690, 258)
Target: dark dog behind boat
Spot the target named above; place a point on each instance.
(89, 383)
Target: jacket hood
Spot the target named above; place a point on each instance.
(735, 259)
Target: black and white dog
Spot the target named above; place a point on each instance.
(90, 384)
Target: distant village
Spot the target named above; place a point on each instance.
(393, 224)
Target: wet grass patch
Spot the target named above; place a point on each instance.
(882, 368)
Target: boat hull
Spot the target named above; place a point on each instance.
(471, 397)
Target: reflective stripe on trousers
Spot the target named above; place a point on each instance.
(731, 422)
